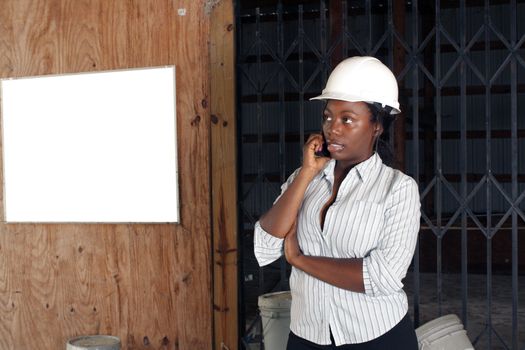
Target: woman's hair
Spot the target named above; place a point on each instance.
(382, 116)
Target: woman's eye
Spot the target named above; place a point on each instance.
(346, 120)
(327, 118)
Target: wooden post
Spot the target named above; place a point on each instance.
(336, 30)
(224, 176)
(399, 64)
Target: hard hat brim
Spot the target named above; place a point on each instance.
(350, 98)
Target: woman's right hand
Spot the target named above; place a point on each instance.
(312, 162)
(280, 218)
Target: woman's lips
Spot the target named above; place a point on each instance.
(335, 147)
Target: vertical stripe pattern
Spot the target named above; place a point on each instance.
(375, 217)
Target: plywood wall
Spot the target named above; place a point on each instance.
(148, 284)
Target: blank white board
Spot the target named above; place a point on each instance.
(91, 147)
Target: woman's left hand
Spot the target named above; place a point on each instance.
(292, 251)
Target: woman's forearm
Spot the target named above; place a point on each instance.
(342, 273)
(279, 219)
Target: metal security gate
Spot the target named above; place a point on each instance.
(461, 71)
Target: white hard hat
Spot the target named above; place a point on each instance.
(362, 79)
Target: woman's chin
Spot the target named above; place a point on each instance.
(338, 155)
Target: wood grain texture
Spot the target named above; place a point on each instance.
(149, 284)
(224, 178)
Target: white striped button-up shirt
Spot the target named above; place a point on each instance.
(375, 217)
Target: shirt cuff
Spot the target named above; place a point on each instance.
(266, 247)
(367, 282)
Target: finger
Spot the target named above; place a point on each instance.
(314, 138)
(315, 142)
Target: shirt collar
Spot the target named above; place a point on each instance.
(363, 169)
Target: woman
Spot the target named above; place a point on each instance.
(348, 222)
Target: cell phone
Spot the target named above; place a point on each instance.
(324, 152)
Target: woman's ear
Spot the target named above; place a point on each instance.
(378, 130)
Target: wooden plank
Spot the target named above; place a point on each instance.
(149, 284)
(188, 44)
(399, 127)
(224, 179)
(335, 21)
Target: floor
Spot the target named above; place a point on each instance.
(501, 312)
(477, 306)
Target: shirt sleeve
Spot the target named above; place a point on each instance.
(266, 247)
(386, 266)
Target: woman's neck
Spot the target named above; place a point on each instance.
(341, 170)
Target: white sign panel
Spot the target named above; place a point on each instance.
(91, 147)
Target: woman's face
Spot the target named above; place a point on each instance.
(349, 131)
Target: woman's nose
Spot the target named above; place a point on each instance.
(335, 127)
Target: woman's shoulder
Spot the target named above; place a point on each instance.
(397, 178)
(328, 168)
